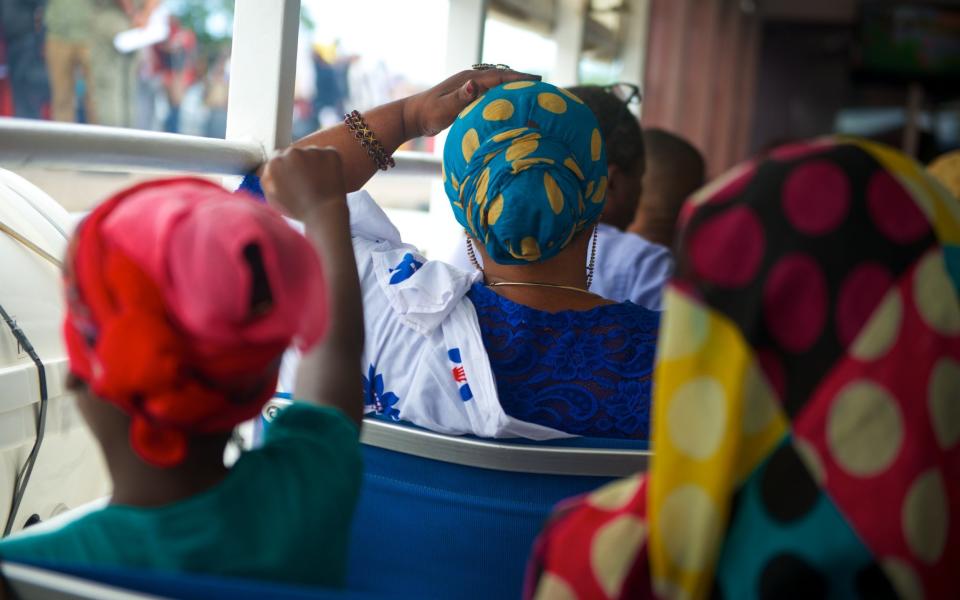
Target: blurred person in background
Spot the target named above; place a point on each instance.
(68, 52)
(216, 95)
(330, 84)
(675, 170)
(21, 25)
(6, 96)
(177, 60)
(112, 87)
(629, 267)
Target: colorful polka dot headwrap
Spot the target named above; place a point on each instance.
(806, 397)
(947, 171)
(525, 170)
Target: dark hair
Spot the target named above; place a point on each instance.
(676, 158)
(618, 126)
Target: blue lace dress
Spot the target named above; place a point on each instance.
(582, 372)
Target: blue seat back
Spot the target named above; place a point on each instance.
(431, 529)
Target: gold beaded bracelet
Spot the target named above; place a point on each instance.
(362, 132)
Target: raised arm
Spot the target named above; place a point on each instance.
(307, 185)
(424, 114)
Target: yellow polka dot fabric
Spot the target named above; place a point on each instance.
(825, 373)
(535, 150)
(946, 170)
(806, 400)
(705, 373)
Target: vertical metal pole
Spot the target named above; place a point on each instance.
(466, 20)
(633, 54)
(571, 23)
(262, 72)
(466, 25)
(911, 130)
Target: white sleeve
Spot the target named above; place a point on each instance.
(423, 358)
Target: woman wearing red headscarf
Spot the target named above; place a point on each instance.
(181, 300)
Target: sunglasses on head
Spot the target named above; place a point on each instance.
(627, 93)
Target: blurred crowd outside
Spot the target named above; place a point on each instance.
(164, 65)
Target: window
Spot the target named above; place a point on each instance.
(345, 62)
(503, 36)
(164, 67)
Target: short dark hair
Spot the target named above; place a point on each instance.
(675, 170)
(618, 126)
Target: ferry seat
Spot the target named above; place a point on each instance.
(438, 517)
(58, 582)
(46, 450)
(456, 516)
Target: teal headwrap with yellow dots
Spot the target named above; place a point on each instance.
(525, 170)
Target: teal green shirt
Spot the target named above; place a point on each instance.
(282, 513)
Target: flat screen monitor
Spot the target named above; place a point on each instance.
(910, 41)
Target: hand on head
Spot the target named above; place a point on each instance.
(432, 111)
(299, 180)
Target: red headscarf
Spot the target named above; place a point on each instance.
(181, 300)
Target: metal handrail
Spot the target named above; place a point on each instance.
(28, 581)
(495, 454)
(27, 143)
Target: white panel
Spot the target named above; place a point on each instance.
(262, 72)
(636, 26)
(465, 22)
(571, 18)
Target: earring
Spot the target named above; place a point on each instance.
(471, 254)
(593, 258)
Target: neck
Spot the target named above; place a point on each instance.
(138, 484)
(554, 274)
(568, 269)
(655, 228)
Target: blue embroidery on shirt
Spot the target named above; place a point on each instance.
(251, 185)
(582, 372)
(459, 374)
(405, 270)
(375, 396)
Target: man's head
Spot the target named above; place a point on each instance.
(675, 169)
(625, 153)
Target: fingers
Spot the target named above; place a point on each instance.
(478, 82)
(493, 77)
(487, 79)
(468, 91)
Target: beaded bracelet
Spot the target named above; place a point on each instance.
(355, 123)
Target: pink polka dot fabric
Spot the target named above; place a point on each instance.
(877, 425)
(799, 251)
(825, 261)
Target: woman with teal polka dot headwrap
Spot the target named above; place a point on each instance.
(525, 170)
(524, 348)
